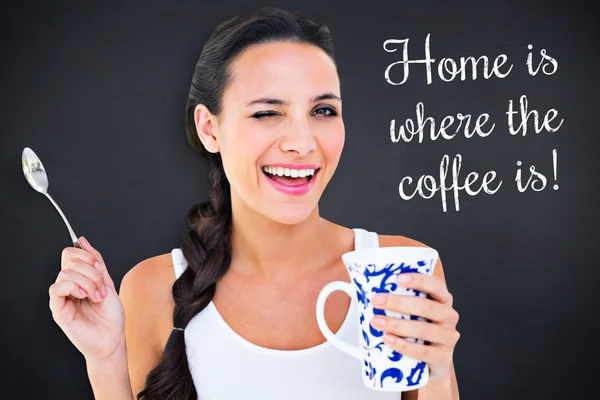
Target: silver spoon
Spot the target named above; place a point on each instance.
(36, 176)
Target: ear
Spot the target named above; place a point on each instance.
(205, 126)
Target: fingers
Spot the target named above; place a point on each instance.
(440, 334)
(419, 306)
(89, 286)
(432, 355)
(405, 328)
(71, 253)
(88, 271)
(81, 277)
(98, 257)
(59, 292)
(81, 261)
(429, 284)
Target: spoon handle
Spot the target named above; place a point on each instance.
(74, 238)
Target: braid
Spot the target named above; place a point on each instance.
(207, 249)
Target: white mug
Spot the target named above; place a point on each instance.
(375, 270)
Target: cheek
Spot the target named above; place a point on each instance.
(251, 139)
(241, 153)
(332, 143)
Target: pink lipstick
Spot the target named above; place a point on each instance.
(290, 187)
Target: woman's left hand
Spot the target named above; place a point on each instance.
(440, 332)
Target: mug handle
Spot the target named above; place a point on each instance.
(331, 287)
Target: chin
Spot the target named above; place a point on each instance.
(289, 215)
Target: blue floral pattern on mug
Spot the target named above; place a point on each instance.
(383, 367)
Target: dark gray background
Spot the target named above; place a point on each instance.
(97, 90)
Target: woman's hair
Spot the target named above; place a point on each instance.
(207, 246)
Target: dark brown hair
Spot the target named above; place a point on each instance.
(207, 245)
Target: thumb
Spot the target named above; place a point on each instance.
(88, 247)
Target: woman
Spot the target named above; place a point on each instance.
(232, 313)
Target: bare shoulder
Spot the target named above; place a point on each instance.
(146, 294)
(397, 240)
(149, 284)
(150, 274)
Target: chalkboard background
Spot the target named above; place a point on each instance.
(97, 90)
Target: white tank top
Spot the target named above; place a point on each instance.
(225, 366)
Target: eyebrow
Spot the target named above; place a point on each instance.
(270, 100)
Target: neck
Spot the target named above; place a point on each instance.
(279, 251)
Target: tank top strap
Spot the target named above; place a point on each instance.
(364, 239)
(179, 262)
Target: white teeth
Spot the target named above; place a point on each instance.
(294, 173)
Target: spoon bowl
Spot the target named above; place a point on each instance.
(34, 172)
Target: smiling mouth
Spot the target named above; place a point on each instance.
(291, 181)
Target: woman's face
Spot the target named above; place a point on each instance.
(281, 107)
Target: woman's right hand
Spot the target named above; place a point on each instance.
(86, 305)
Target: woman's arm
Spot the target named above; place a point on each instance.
(143, 297)
(146, 294)
(444, 389)
(110, 379)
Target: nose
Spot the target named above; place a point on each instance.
(298, 138)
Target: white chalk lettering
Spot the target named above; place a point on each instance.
(524, 115)
(410, 128)
(548, 64)
(427, 186)
(447, 69)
